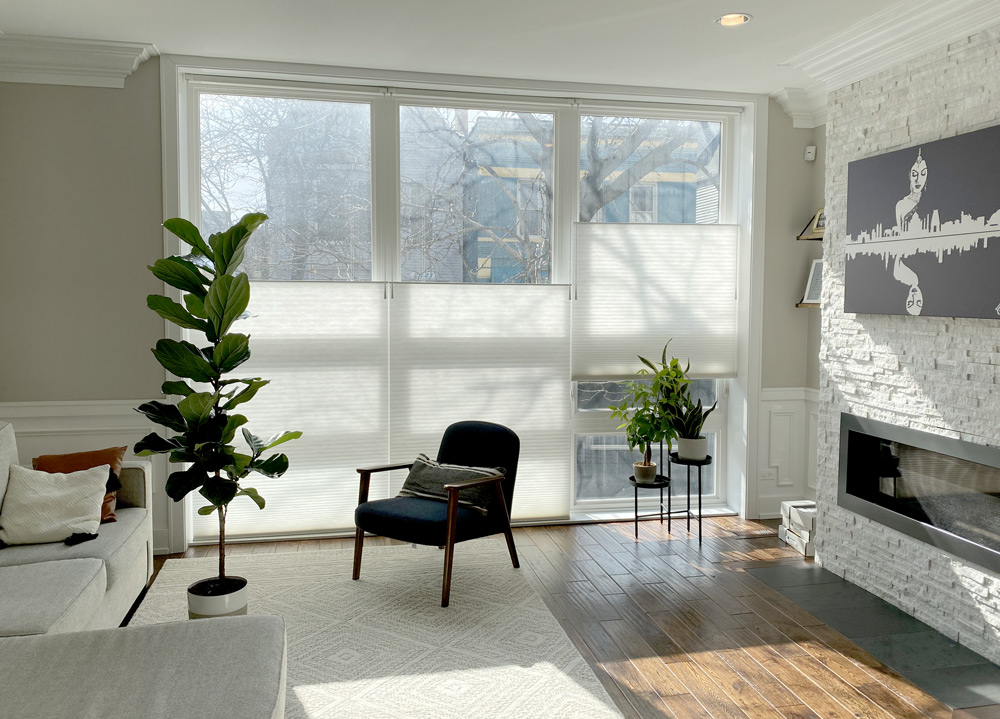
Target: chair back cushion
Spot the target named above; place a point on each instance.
(427, 479)
(483, 444)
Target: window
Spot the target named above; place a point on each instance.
(307, 164)
(476, 191)
(465, 206)
(642, 202)
(630, 165)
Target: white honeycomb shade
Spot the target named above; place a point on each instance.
(498, 353)
(324, 346)
(455, 352)
(639, 285)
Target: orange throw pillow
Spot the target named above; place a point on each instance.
(66, 463)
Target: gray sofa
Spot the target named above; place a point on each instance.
(52, 588)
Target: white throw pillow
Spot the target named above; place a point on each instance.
(41, 507)
(8, 455)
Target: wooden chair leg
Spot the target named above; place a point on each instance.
(359, 542)
(509, 535)
(449, 547)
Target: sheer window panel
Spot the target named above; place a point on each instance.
(639, 285)
(496, 353)
(324, 346)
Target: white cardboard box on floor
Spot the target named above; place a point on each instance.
(801, 512)
(790, 538)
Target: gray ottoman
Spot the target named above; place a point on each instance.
(50, 597)
(225, 668)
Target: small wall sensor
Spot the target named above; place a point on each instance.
(810, 153)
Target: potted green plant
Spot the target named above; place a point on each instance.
(687, 422)
(202, 423)
(646, 414)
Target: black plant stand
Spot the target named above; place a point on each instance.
(659, 483)
(689, 463)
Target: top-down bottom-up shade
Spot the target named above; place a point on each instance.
(639, 285)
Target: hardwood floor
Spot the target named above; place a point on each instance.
(674, 629)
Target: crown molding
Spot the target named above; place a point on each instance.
(896, 34)
(64, 61)
(806, 106)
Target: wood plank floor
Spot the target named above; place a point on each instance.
(674, 629)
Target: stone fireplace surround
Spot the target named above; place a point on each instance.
(938, 375)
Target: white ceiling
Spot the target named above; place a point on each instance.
(664, 43)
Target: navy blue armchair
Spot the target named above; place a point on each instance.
(443, 523)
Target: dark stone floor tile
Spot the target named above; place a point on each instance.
(872, 620)
(793, 575)
(832, 594)
(959, 687)
(915, 651)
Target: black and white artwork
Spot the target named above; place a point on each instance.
(923, 229)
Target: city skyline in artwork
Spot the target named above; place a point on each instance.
(923, 229)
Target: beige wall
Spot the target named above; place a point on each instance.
(81, 205)
(794, 192)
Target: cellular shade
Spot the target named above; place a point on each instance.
(638, 285)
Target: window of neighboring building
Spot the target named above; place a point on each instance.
(642, 202)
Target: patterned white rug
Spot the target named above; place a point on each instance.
(383, 648)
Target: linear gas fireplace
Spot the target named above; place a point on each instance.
(940, 490)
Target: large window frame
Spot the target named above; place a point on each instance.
(185, 78)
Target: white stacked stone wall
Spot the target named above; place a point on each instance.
(939, 375)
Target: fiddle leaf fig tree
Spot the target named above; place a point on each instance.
(202, 423)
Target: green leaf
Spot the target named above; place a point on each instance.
(246, 394)
(196, 306)
(231, 352)
(219, 491)
(180, 273)
(233, 423)
(189, 233)
(238, 465)
(165, 414)
(184, 360)
(228, 247)
(253, 441)
(207, 510)
(280, 438)
(197, 407)
(274, 466)
(252, 493)
(176, 387)
(180, 483)
(153, 443)
(170, 310)
(227, 298)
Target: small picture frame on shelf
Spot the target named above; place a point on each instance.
(814, 285)
(816, 227)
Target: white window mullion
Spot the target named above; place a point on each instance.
(385, 189)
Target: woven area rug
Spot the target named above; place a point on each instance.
(382, 647)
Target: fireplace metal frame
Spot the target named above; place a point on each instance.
(944, 540)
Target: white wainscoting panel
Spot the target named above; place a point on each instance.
(787, 424)
(62, 427)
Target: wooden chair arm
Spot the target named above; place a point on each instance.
(383, 468)
(366, 478)
(476, 482)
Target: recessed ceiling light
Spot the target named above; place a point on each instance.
(733, 19)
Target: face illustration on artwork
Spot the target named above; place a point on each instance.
(918, 175)
(914, 300)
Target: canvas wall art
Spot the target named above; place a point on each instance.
(923, 229)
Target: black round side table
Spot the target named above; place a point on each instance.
(689, 463)
(659, 483)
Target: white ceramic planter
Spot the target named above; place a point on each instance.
(692, 448)
(644, 474)
(206, 598)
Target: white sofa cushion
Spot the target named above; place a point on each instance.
(41, 507)
(50, 597)
(116, 544)
(8, 455)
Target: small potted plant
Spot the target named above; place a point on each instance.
(202, 423)
(687, 422)
(646, 415)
